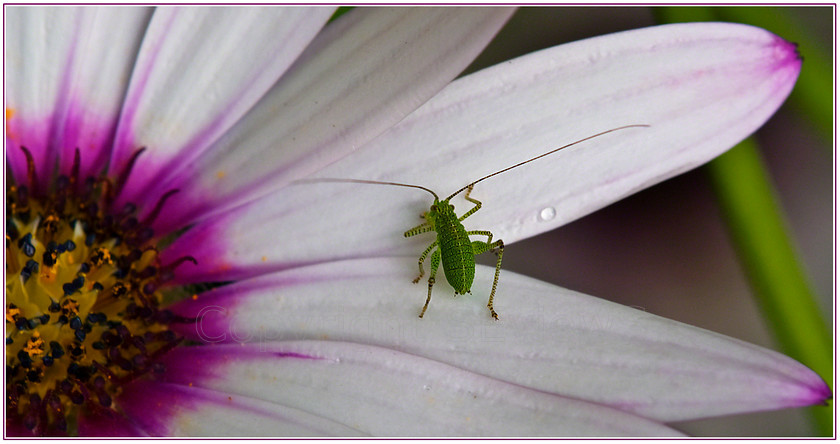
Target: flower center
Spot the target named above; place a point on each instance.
(83, 313)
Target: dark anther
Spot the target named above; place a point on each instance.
(149, 288)
(49, 257)
(45, 319)
(96, 318)
(77, 398)
(22, 323)
(97, 286)
(111, 339)
(76, 323)
(90, 239)
(33, 376)
(76, 350)
(55, 307)
(158, 206)
(25, 244)
(69, 245)
(80, 335)
(84, 268)
(25, 360)
(29, 269)
(69, 288)
(56, 350)
(48, 360)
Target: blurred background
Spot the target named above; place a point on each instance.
(666, 250)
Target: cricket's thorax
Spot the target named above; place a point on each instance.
(455, 248)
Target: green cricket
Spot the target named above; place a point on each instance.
(454, 247)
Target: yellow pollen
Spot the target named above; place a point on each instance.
(220, 174)
(70, 306)
(12, 313)
(35, 345)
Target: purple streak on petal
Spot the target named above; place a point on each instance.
(92, 133)
(195, 365)
(105, 422)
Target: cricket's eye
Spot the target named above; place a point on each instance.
(451, 207)
(433, 209)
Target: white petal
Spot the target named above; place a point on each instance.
(388, 393)
(548, 338)
(107, 42)
(700, 87)
(363, 74)
(39, 47)
(199, 70)
(180, 410)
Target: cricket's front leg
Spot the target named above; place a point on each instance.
(470, 199)
(423, 259)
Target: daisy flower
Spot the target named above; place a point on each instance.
(150, 149)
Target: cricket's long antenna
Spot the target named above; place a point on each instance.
(546, 154)
(373, 182)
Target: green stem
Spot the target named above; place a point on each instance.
(747, 200)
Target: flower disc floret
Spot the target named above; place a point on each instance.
(83, 313)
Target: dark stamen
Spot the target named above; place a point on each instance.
(30, 169)
(154, 214)
(123, 177)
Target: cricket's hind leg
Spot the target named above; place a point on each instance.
(481, 247)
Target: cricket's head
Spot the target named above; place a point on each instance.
(441, 208)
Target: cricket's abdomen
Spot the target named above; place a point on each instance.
(456, 253)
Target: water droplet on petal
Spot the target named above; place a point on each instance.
(547, 213)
